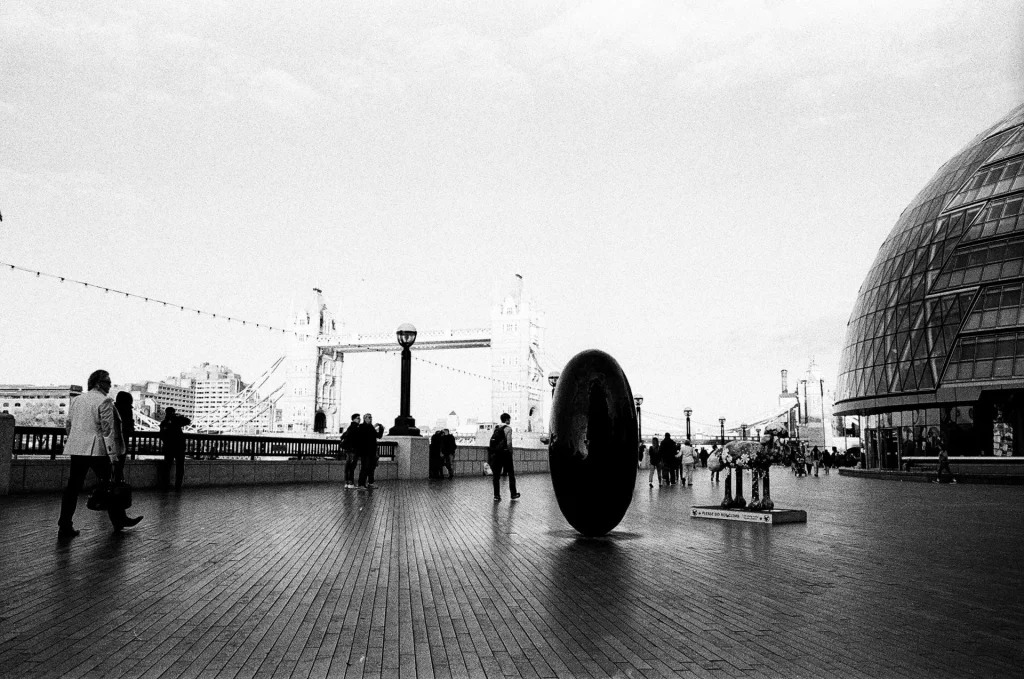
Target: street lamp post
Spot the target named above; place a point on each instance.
(688, 412)
(405, 425)
(638, 400)
(744, 428)
(821, 383)
(727, 500)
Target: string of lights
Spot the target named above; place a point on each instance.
(154, 300)
(230, 319)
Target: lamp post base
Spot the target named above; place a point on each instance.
(404, 426)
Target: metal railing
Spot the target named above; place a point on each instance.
(49, 441)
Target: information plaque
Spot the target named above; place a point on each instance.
(773, 516)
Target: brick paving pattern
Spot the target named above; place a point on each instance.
(431, 578)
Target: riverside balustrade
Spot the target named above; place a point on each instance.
(49, 442)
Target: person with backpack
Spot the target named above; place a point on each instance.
(434, 452)
(448, 446)
(669, 453)
(654, 458)
(499, 457)
(348, 445)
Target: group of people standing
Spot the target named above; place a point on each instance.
(442, 454)
(359, 444)
(805, 461)
(674, 463)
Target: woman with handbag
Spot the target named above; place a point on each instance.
(119, 491)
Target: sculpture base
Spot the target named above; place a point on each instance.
(773, 516)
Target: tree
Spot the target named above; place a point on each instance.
(39, 414)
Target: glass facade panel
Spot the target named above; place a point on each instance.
(986, 357)
(963, 231)
(982, 263)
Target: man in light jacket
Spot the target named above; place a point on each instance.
(689, 459)
(94, 441)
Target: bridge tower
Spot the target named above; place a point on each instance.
(517, 331)
(312, 373)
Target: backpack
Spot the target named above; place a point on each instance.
(498, 443)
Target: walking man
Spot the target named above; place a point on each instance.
(669, 454)
(366, 447)
(90, 424)
(448, 447)
(500, 451)
(348, 445)
(944, 464)
(654, 460)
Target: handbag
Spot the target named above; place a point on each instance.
(111, 495)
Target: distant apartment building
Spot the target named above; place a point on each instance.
(222, 401)
(27, 401)
(214, 397)
(214, 386)
(152, 398)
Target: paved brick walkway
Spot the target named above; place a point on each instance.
(433, 579)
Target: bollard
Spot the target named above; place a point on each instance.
(6, 451)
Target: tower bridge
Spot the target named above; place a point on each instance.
(316, 353)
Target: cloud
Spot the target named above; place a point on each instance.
(735, 43)
(282, 91)
(130, 58)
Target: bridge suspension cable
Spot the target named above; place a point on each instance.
(537, 385)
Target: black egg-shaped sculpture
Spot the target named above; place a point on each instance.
(594, 439)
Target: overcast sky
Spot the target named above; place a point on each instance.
(698, 188)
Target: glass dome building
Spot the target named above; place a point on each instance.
(934, 346)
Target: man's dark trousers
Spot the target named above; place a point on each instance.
(178, 460)
(367, 467)
(80, 466)
(503, 462)
(350, 466)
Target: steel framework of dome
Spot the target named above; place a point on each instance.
(939, 320)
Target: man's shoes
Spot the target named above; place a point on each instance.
(371, 485)
(652, 484)
(67, 533)
(517, 496)
(360, 487)
(349, 486)
(497, 498)
(954, 481)
(128, 523)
